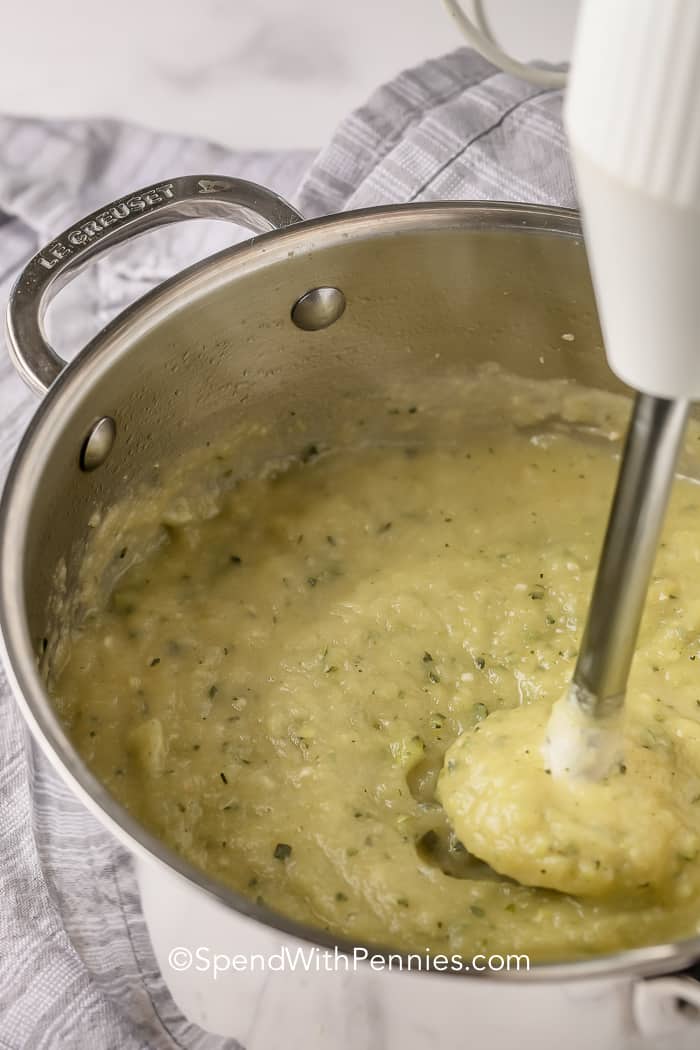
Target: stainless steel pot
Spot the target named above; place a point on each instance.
(308, 317)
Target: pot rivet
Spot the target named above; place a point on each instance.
(98, 444)
(318, 308)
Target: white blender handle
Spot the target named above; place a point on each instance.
(632, 115)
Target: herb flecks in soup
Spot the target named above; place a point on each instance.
(273, 687)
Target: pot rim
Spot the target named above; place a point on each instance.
(94, 360)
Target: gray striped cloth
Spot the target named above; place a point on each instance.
(76, 967)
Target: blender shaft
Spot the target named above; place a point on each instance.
(641, 496)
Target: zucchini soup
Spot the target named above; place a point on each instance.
(323, 680)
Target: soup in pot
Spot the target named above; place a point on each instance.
(274, 671)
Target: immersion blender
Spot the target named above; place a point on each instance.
(632, 115)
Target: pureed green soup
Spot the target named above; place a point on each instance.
(277, 669)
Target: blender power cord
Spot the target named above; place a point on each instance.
(478, 33)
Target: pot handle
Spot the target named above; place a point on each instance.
(189, 197)
(664, 1006)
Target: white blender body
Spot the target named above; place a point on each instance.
(632, 115)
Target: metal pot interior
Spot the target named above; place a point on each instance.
(431, 292)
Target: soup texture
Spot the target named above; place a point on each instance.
(276, 671)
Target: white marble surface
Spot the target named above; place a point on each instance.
(247, 73)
